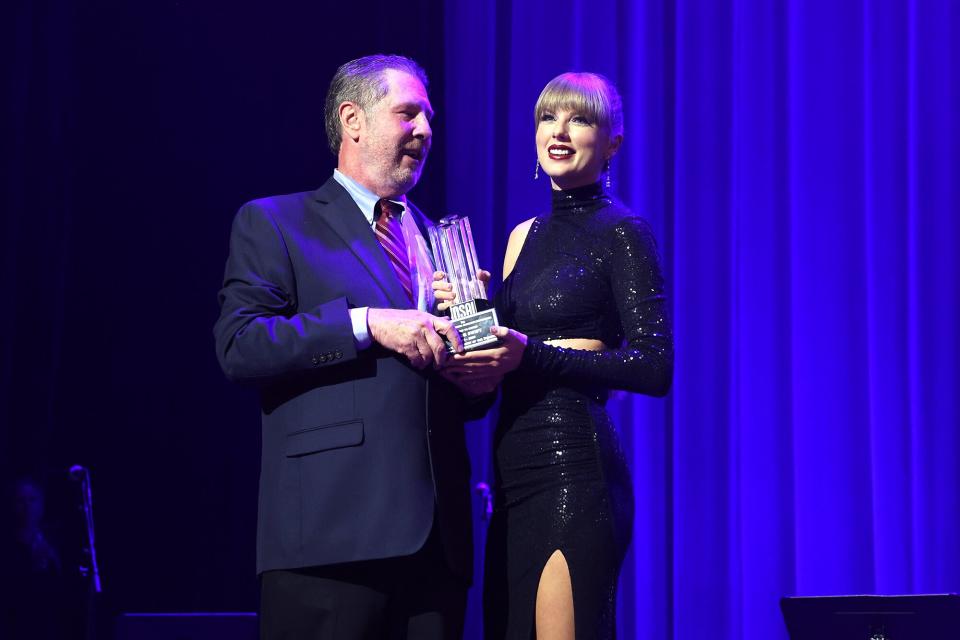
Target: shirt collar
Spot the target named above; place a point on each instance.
(364, 198)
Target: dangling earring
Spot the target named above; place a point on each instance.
(536, 171)
(607, 171)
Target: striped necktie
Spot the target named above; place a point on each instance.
(390, 234)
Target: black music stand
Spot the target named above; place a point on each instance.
(914, 617)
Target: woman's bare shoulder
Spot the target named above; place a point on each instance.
(514, 245)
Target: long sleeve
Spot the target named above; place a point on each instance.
(260, 334)
(645, 363)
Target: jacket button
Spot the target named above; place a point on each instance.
(338, 355)
(315, 360)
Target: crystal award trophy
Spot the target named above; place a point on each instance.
(454, 254)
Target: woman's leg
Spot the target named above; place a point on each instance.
(554, 614)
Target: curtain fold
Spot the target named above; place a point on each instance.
(798, 162)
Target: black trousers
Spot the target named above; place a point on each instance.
(414, 597)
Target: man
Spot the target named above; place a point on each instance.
(364, 512)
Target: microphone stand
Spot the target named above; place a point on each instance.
(82, 475)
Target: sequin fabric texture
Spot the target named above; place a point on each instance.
(588, 269)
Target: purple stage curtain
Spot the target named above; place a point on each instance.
(798, 162)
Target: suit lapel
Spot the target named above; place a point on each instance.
(341, 213)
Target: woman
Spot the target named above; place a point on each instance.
(583, 295)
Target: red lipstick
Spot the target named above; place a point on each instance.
(560, 152)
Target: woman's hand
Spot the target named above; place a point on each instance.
(470, 386)
(443, 290)
(494, 363)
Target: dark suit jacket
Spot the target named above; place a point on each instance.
(359, 450)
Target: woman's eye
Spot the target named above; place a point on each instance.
(547, 117)
(581, 120)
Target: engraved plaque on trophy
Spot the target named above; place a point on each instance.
(455, 255)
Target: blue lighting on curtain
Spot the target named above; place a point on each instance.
(798, 162)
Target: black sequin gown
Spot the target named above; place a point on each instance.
(588, 269)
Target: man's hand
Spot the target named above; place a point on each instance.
(414, 335)
(443, 290)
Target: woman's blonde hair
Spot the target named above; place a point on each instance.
(591, 94)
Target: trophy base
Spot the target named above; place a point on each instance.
(473, 320)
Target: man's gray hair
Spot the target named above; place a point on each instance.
(362, 81)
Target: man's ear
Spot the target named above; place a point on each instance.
(351, 119)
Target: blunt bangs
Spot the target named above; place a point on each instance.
(589, 94)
